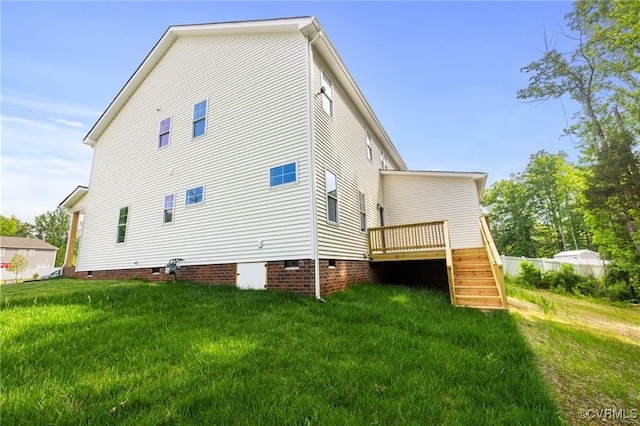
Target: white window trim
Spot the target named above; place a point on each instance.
(22, 252)
(325, 77)
(206, 117)
(173, 215)
(362, 209)
(204, 193)
(32, 252)
(369, 146)
(283, 184)
(170, 130)
(337, 198)
(126, 229)
(3, 251)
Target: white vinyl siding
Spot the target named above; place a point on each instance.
(415, 199)
(339, 148)
(257, 117)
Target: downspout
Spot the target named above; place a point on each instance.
(312, 171)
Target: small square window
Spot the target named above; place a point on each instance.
(165, 128)
(22, 252)
(155, 270)
(199, 119)
(289, 264)
(282, 174)
(331, 263)
(194, 196)
(32, 252)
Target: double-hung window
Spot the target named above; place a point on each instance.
(369, 149)
(199, 119)
(22, 252)
(331, 184)
(194, 196)
(281, 175)
(327, 95)
(32, 252)
(363, 212)
(383, 161)
(123, 218)
(169, 207)
(165, 129)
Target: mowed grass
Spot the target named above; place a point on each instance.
(131, 352)
(589, 351)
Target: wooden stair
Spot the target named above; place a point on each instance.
(474, 284)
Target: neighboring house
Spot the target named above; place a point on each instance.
(247, 149)
(41, 256)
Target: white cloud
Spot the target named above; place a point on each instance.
(42, 163)
(49, 105)
(67, 122)
(26, 122)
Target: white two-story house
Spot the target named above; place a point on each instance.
(247, 149)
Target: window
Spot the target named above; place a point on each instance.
(165, 128)
(155, 270)
(32, 252)
(194, 196)
(2, 252)
(169, 206)
(327, 95)
(199, 119)
(331, 263)
(369, 150)
(122, 224)
(331, 183)
(282, 174)
(383, 161)
(363, 212)
(22, 252)
(290, 264)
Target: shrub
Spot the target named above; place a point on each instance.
(35, 276)
(565, 279)
(620, 291)
(529, 276)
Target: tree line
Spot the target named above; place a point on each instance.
(556, 205)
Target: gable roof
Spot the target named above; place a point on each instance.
(25, 243)
(308, 26)
(72, 199)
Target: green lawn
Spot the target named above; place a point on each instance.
(588, 350)
(78, 352)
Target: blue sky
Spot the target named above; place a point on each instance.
(441, 76)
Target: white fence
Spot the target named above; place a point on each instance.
(587, 267)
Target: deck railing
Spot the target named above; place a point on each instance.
(494, 259)
(413, 237)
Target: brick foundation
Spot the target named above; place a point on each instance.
(297, 280)
(203, 274)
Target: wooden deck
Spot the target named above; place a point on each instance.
(475, 274)
(416, 241)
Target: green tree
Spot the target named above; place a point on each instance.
(13, 227)
(18, 265)
(53, 227)
(602, 74)
(512, 217)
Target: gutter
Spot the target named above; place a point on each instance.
(312, 171)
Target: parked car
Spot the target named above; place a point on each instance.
(56, 273)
